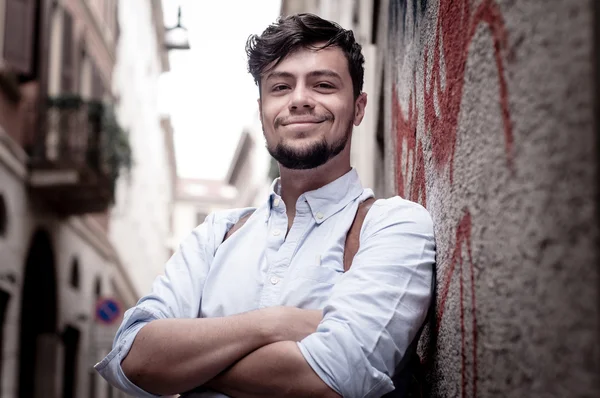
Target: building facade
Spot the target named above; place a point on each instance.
(194, 200)
(251, 170)
(246, 184)
(141, 218)
(70, 158)
(487, 114)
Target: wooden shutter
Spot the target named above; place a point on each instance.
(97, 85)
(67, 66)
(80, 62)
(19, 35)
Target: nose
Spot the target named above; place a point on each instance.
(301, 99)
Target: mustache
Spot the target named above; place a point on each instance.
(307, 118)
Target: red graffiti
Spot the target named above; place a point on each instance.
(444, 66)
(406, 130)
(463, 236)
(455, 30)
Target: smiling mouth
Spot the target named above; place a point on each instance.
(303, 122)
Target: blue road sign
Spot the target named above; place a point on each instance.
(108, 310)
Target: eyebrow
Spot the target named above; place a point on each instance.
(315, 73)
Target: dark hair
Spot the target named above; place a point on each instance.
(291, 33)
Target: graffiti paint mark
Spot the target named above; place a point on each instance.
(455, 31)
(444, 66)
(406, 131)
(463, 239)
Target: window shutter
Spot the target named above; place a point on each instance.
(19, 35)
(67, 71)
(97, 85)
(78, 69)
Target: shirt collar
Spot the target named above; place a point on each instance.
(327, 200)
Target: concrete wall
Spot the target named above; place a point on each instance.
(490, 125)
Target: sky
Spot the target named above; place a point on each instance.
(208, 91)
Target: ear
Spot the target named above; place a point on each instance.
(359, 108)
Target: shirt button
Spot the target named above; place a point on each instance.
(276, 202)
(319, 215)
(274, 280)
(276, 232)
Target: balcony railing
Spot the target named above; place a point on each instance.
(78, 155)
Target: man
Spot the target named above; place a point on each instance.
(269, 311)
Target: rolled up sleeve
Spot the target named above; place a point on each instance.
(176, 294)
(377, 308)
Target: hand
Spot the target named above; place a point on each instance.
(291, 323)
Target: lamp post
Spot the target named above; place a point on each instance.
(177, 37)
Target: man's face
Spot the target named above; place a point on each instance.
(307, 107)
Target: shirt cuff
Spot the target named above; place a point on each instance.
(342, 365)
(110, 367)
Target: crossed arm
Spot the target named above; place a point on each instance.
(380, 304)
(278, 369)
(247, 355)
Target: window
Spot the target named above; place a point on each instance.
(19, 35)
(375, 24)
(3, 217)
(98, 89)
(98, 288)
(82, 59)
(67, 66)
(74, 275)
(355, 13)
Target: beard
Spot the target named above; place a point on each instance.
(312, 156)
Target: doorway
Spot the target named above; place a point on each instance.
(38, 338)
(71, 343)
(4, 298)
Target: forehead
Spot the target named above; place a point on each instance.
(306, 60)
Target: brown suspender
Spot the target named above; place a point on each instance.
(237, 225)
(352, 238)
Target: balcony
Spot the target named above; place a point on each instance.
(77, 157)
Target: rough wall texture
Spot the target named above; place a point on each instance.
(490, 105)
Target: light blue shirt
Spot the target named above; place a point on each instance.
(371, 313)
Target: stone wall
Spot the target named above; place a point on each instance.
(490, 122)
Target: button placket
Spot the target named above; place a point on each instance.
(273, 274)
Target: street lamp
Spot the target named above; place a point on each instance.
(176, 38)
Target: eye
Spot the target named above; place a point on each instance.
(325, 86)
(280, 87)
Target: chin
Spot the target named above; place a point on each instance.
(302, 142)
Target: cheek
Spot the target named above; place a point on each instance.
(269, 113)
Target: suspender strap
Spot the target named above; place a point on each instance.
(237, 225)
(352, 238)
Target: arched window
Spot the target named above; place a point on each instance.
(74, 275)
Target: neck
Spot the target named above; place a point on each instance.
(296, 182)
